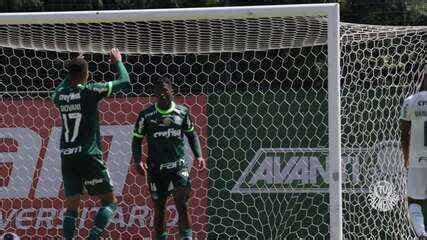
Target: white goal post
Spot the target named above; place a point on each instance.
(265, 87)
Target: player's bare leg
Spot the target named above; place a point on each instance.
(105, 213)
(72, 204)
(181, 202)
(159, 218)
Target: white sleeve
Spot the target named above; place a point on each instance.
(405, 111)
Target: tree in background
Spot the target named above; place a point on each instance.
(20, 5)
(418, 12)
(69, 5)
(383, 12)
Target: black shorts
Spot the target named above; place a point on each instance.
(163, 183)
(85, 172)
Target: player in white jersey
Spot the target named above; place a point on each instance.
(413, 125)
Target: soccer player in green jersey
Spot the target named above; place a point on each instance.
(81, 155)
(165, 124)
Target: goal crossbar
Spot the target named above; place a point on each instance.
(219, 13)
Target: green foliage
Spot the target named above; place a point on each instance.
(20, 5)
(384, 12)
(70, 5)
(417, 12)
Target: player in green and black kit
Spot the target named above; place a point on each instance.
(165, 124)
(81, 155)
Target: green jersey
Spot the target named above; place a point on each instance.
(165, 130)
(78, 106)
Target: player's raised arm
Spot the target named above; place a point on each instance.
(124, 80)
(100, 90)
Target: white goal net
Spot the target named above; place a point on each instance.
(256, 82)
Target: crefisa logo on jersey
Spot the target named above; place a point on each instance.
(167, 134)
(69, 97)
(422, 103)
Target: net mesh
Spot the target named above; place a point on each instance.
(257, 89)
(170, 37)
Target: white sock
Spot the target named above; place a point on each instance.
(417, 218)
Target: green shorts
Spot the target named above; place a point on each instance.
(85, 172)
(162, 184)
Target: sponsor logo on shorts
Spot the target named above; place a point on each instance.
(172, 165)
(94, 181)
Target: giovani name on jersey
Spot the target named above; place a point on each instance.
(70, 108)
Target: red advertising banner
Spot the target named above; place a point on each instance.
(31, 192)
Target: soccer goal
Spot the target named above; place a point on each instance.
(298, 147)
